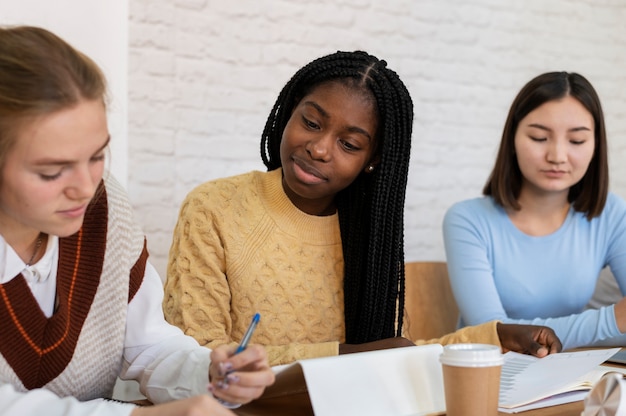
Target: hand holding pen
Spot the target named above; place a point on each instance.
(239, 375)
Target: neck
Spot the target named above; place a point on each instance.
(540, 214)
(320, 207)
(36, 250)
(27, 245)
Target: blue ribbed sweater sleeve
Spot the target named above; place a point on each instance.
(498, 272)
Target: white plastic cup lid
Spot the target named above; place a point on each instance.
(471, 355)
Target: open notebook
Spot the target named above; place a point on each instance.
(530, 383)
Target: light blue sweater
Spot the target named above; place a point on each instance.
(498, 272)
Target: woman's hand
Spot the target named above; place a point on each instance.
(382, 344)
(528, 339)
(239, 378)
(194, 406)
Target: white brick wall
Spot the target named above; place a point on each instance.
(204, 74)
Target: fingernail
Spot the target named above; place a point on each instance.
(224, 368)
(231, 378)
(222, 385)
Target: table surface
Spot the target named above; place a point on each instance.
(299, 404)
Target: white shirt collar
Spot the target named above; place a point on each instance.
(12, 265)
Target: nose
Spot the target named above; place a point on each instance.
(82, 184)
(320, 147)
(557, 152)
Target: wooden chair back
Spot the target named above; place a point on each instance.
(430, 310)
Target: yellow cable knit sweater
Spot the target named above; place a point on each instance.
(240, 246)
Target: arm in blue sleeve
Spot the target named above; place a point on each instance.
(469, 252)
(470, 269)
(591, 327)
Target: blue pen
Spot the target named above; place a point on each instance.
(246, 338)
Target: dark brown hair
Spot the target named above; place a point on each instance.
(505, 181)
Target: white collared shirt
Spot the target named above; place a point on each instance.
(166, 363)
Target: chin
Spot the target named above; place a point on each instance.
(67, 231)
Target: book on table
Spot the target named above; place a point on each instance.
(529, 382)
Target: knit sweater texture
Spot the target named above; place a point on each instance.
(240, 247)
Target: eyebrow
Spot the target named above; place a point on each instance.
(60, 162)
(573, 129)
(352, 129)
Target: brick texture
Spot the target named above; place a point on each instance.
(204, 74)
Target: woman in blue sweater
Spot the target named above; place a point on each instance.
(531, 249)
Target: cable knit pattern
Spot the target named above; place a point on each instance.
(240, 247)
(97, 353)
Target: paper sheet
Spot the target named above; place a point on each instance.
(394, 382)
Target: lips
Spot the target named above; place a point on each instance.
(554, 173)
(306, 172)
(74, 212)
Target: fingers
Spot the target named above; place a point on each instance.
(224, 361)
(241, 386)
(198, 405)
(543, 341)
(242, 377)
(548, 338)
(237, 389)
(252, 358)
(528, 339)
(222, 353)
(537, 350)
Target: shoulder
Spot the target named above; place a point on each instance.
(122, 224)
(217, 191)
(615, 202)
(224, 184)
(614, 209)
(117, 197)
(222, 195)
(473, 208)
(481, 217)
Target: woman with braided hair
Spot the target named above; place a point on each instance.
(315, 245)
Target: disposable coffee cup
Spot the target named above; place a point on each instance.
(471, 379)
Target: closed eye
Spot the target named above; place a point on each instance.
(51, 177)
(98, 158)
(349, 146)
(310, 124)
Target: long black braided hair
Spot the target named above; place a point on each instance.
(371, 209)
